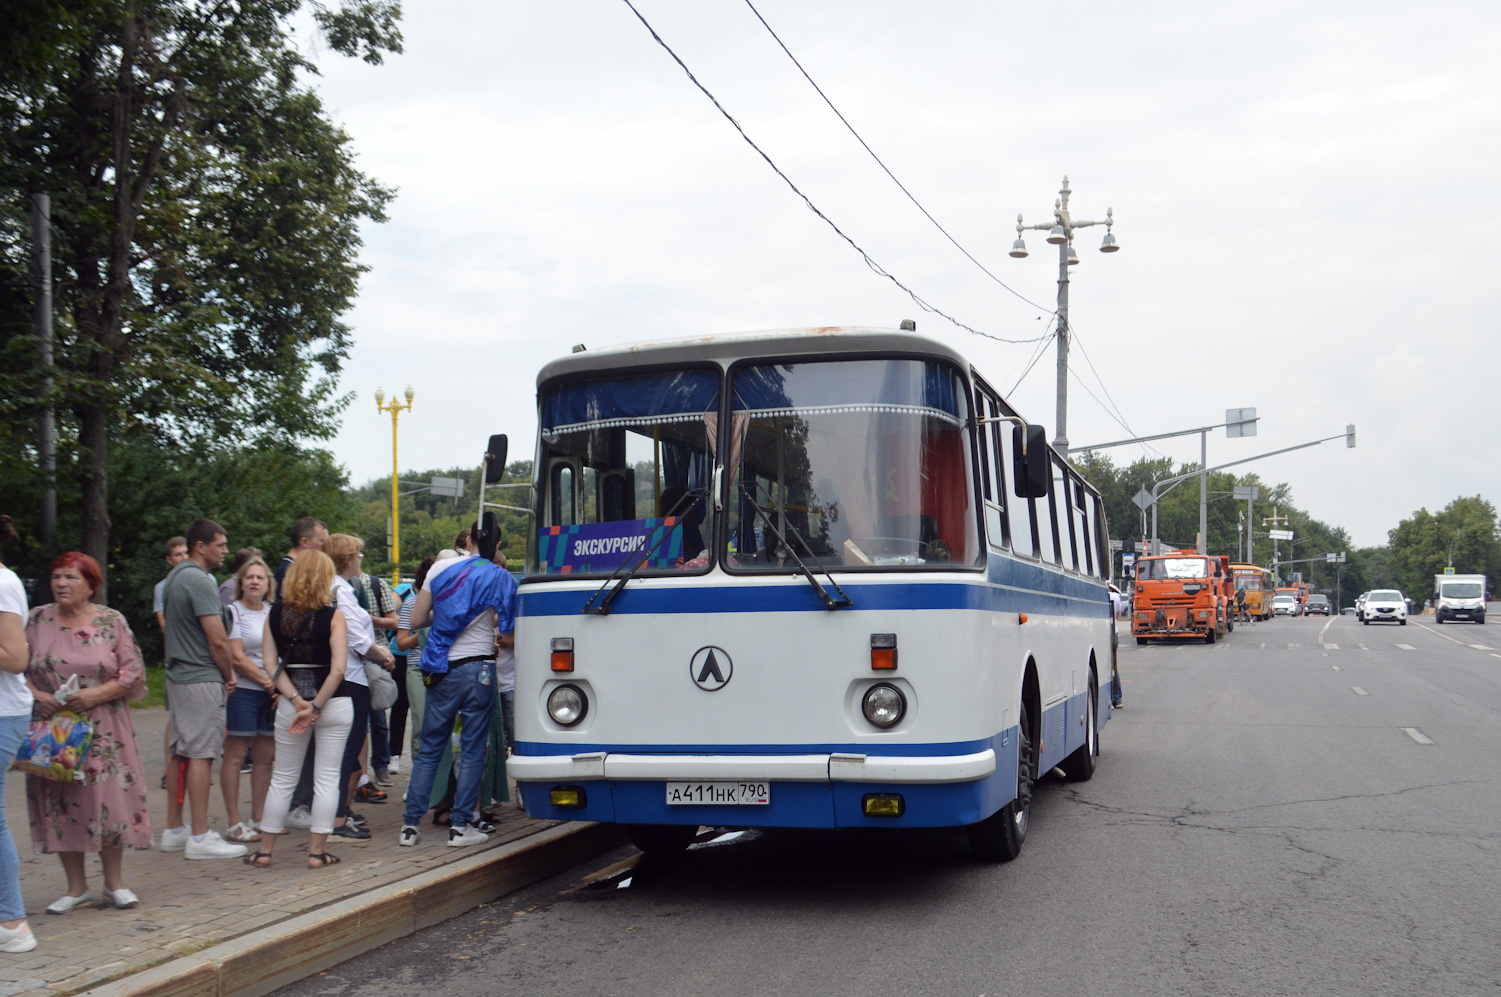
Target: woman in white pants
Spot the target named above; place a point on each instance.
(310, 636)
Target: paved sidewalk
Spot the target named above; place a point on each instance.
(189, 906)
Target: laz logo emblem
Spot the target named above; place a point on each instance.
(711, 668)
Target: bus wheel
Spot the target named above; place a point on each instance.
(999, 837)
(1079, 766)
(662, 840)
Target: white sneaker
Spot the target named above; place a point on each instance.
(409, 836)
(173, 841)
(17, 939)
(122, 898)
(395, 765)
(66, 905)
(301, 819)
(466, 837)
(213, 847)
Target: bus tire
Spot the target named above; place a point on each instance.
(999, 837)
(1079, 766)
(662, 840)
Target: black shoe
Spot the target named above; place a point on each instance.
(355, 818)
(482, 825)
(348, 830)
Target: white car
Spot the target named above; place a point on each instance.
(1384, 604)
(1284, 605)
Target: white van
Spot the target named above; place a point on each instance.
(1460, 597)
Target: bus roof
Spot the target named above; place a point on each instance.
(737, 346)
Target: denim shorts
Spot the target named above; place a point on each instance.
(248, 713)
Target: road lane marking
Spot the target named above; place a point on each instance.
(1335, 667)
(1362, 647)
(1331, 647)
(1263, 645)
(1291, 646)
(1435, 633)
(1407, 647)
(1481, 647)
(1327, 624)
(1417, 735)
(1359, 691)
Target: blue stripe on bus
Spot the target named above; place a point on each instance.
(1009, 585)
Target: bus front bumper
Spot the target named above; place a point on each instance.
(806, 790)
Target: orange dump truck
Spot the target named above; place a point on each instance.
(1182, 595)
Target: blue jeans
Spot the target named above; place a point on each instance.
(380, 740)
(467, 692)
(12, 736)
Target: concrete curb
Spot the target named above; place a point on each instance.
(262, 961)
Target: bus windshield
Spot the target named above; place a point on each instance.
(626, 464)
(1154, 569)
(855, 464)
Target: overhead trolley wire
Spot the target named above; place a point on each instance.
(874, 266)
(985, 270)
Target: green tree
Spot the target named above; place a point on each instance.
(1420, 544)
(206, 213)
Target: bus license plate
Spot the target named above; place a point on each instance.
(734, 794)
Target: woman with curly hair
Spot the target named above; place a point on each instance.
(106, 811)
(308, 637)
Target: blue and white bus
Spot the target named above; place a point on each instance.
(813, 579)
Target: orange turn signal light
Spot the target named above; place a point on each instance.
(562, 654)
(883, 652)
(1021, 618)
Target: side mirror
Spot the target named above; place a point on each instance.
(495, 459)
(487, 538)
(1029, 461)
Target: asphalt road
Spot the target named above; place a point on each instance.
(1309, 806)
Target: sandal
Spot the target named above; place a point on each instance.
(324, 860)
(254, 859)
(244, 832)
(442, 817)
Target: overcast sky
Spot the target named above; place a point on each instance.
(1306, 200)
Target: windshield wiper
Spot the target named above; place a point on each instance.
(617, 580)
(829, 601)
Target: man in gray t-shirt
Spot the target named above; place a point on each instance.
(200, 675)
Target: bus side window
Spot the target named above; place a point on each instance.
(1081, 525)
(985, 480)
(562, 488)
(997, 517)
(1105, 560)
(1045, 523)
(1068, 555)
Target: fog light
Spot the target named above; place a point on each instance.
(884, 705)
(571, 797)
(567, 705)
(562, 654)
(883, 652)
(882, 805)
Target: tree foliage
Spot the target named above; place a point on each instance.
(1420, 545)
(206, 219)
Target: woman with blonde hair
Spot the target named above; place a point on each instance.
(305, 650)
(250, 714)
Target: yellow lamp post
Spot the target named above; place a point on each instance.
(395, 408)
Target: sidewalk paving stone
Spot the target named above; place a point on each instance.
(188, 906)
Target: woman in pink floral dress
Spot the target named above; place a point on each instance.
(106, 812)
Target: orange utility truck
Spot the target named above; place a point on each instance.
(1181, 595)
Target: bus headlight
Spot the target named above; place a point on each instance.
(884, 705)
(567, 705)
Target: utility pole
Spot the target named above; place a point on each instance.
(1273, 521)
(1061, 234)
(46, 430)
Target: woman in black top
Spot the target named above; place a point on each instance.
(305, 648)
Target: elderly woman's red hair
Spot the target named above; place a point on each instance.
(86, 566)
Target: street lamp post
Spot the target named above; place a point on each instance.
(395, 408)
(1061, 234)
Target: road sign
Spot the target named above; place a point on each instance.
(1246, 493)
(448, 487)
(1240, 422)
(1449, 571)
(1143, 500)
(1280, 534)
(1115, 545)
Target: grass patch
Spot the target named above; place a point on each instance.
(156, 688)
